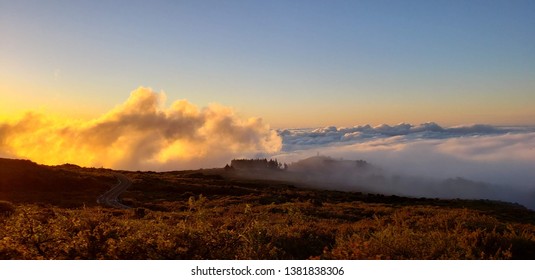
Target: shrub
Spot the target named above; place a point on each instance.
(6, 208)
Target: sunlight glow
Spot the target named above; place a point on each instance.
(140, 133)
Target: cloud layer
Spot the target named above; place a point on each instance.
(141, 134)
(295, 139)
(144, 134)
(428, 154)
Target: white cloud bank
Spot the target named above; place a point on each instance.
(477, 152)
(503, 158)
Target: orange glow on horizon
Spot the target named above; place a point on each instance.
(140, 133)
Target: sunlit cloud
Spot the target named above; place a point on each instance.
(144, 133)
(141, 134)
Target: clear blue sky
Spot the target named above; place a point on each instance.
(294, 63)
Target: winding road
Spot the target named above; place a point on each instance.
(111, 197)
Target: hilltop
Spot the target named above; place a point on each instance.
(66, 185)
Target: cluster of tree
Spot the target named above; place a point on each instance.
(271, 164)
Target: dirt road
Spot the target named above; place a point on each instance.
(111, 197)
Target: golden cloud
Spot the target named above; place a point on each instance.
(141, 134)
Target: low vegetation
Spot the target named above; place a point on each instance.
(212, 215)
(67, 185)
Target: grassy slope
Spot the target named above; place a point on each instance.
(215, 215)
(67, 185)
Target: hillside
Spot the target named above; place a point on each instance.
(66, 185)
(219, 214)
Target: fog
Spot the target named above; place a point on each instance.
(473, 161)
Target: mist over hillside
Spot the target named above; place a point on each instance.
(475, 161)
(358, 175)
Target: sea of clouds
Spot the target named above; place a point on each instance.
(477, 152)
(144, 133)
(470, 161)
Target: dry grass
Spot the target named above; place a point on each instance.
(208, 215)
(292, 230)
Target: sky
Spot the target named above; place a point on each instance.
(425, 90)
(292, 63)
